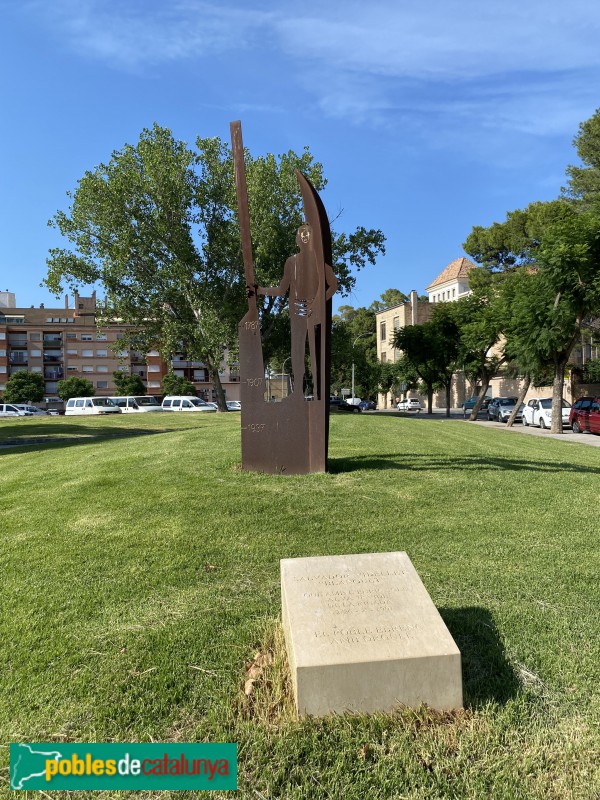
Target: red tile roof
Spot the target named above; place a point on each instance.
(459, 268)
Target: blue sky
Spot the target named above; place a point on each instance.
(429, 118)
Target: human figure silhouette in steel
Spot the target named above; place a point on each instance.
(301, 279)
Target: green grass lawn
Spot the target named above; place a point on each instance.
(140, 575)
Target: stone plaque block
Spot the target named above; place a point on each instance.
(363, 635)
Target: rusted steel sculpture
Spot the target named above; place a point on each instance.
(291, 436)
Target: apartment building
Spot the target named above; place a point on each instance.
(62, 342)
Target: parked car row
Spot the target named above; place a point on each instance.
(138, 404)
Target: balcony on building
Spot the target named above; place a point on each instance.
(52, 339)
(52, 356)
(17, 340)
(18, 357)
(53, 374)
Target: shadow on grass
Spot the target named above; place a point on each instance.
(416, 462)
(37, 437)
(487, 674)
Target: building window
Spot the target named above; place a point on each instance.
(2, 353)
(396, 323)
(86, 337)
(382, 334)
(153, 367)
(102, 384)
(103, 368)
(72, 352)
(87, 353)
(72, 369)
(101, 337)
(35, 353)
(36, 369)
(88, 369)
(154, 384)
(102, 353)
(383, 358)
(71, 335)
(34, 337)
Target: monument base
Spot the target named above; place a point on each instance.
(363, 635)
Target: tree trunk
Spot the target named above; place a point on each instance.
(216, 381)
(448, 396)
(485, 383)
(557, 395)
(430, 400)
(520, 399)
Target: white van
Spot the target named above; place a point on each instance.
(174, 403)
(137, 404)
(91, 405)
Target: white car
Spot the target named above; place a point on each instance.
(186, 403)
(234, 405)
(31, 409)
(11, 410)
(410, 404)
(538, 412)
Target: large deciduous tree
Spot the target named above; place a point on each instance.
(157, 228)
(25, 387)
(431, 350)
(75, 387)
(128, 384)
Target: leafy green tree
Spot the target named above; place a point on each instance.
(584, 181)
(389, 298)
(431, 350)
(591, 371)
(25, 387)
(157, 227)
(175, 384)
(75, 387)
(479, 319)
(128, 384)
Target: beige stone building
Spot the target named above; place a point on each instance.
(62, 342)
(450, 285)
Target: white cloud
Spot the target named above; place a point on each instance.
(131, 34)
(528, 67)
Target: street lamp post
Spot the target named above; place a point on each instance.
(360, 336)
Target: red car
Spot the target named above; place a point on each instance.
(585, 415)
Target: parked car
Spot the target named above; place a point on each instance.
(137, 404)
(367, 405)
(500, 409)
(234, 405)
(469, 405)
(31, 409)
(410, 404)
(11, 410)
(538, 412)
(186, 403)
(77, 406)
(339, 404)
(585, 415)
